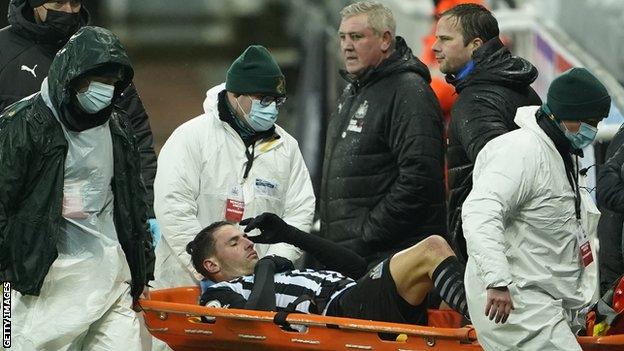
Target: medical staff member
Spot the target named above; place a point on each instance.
(231, 162)
(530, 225)
(74, 240)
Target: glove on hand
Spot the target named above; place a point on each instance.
(281, 264)
(154, 230)
(272, 229)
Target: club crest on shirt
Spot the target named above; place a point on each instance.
(357, 120)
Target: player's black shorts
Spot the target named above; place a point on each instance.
(375, 297)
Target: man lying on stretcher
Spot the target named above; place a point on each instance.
(393, 291)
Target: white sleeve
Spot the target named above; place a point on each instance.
(176, 188)
(299, 204)
(502, 178)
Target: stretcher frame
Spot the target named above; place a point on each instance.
(174, 316)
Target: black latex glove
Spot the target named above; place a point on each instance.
(281, 264)
(331, 255)
(272, 229)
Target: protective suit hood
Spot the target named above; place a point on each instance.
(210, 103)
(525, 118)
(90, 48)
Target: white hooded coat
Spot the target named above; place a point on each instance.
(198, 166)
(520, 227)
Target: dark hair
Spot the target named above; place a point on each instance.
(203, 246)
(475, 21)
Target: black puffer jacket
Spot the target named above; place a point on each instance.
(26, 52)
(485, 108)
(33, 150)
(382, 188)
(610, 196)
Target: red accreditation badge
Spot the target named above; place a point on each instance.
(584, 247)
(235, 205)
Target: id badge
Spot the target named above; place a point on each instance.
(584, 247)
(73, 204)
(235, 205)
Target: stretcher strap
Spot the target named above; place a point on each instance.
(281, 316)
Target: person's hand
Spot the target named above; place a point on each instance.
(281, 264)
(272, 228)
(146, 293)
(498, 304)
(136, 305)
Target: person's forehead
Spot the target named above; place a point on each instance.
(226, 233)
(449, 24)
(355, 23)
(116, 73)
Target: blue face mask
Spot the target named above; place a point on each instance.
(583, 137)
(260, 118)
(97, 97)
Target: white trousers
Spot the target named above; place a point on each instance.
(538, 321)
(35, 327)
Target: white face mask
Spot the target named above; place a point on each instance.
(97, 97)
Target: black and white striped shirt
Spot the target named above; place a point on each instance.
(321, 286)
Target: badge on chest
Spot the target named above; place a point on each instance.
(235, 204)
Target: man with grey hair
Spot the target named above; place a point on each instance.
(382, 188)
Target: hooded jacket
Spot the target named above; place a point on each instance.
(382, 187)
(485, 108)
(610, 196)
(33, 150)
(27, 51)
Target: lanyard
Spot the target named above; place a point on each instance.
(573, 180)
(250, 159)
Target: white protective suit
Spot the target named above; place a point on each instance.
(520, 227)
(199, 164)
(85, 301)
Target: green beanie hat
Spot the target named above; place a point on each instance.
(255, 72)
(577, 95)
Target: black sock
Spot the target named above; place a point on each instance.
(448, 279)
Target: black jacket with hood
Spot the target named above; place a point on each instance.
(485, 108)
(26, 52)
(382, 187)
(33, 150)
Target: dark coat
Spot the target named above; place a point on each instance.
(33, 149)
(610, 196)
(26, 46)
(485, 108)
(382, 187)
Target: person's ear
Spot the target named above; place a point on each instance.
(475, 44)
(211, 265)
(386, 41)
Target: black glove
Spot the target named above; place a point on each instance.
(281, 264)
(272, 229)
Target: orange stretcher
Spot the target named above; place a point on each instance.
(174, 316)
